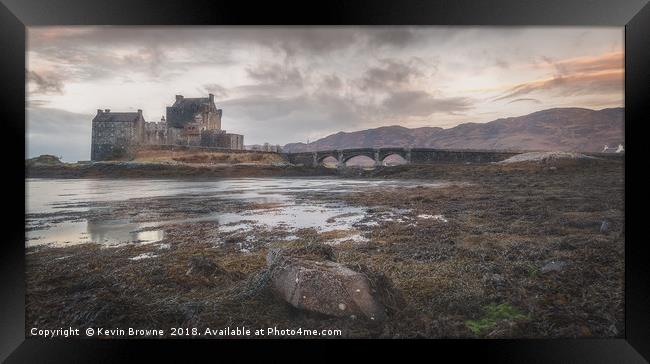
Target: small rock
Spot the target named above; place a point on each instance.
(604, 227)
(553, 266)
(202, 266)
(496, 279)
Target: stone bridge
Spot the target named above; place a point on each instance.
(411, 155)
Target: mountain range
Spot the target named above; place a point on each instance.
(558, 129)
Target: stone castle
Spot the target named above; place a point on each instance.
(189, 122)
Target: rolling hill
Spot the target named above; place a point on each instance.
(559, 129)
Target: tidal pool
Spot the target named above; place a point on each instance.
(60, 211)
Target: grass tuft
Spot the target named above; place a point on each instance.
(494, 314)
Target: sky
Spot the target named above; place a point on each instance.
(299, 84)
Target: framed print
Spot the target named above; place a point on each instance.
(447, 176)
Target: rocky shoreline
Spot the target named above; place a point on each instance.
(502, 251)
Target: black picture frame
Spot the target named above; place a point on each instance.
(15, 15)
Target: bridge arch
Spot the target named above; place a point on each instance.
(321, 157)
(361, 161)
(394, 159)
(347, 155)
(328, 161)
(404, 153)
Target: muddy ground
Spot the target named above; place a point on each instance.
(518, 253)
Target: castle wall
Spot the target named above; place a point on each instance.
(266, 147)
(192, 140)
(234, 141)
(113, 140)
(178, 136)
(221, 139)
(210, 139)
(155, 133)
(174, 135)
(214, 119)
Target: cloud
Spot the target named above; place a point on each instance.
(318, 39)
(81, 54)
(36, 103)
(275, 74)
(91, 53)
(395, 37)
(95, 62)
(600, 74)
(564, 86)
(45, 83)
(525, 100)
(389, 73)
(421, 103)
(213, 40)
(502, 63)
(332, 82)
(310, 40)
(284, 119)
(217, 90)
(283, 84)
(263, 107)
(599, 63)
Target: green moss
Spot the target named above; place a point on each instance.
(493, 314)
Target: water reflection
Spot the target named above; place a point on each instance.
(56, 198)
(109, 232)
(121, 231)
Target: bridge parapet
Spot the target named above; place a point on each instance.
(411, 155)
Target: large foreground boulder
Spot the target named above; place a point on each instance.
(323, 286)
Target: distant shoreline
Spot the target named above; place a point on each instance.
(163, 170)
(139, 170)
